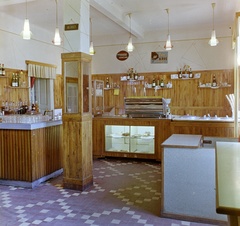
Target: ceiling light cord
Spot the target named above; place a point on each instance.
(26, 10)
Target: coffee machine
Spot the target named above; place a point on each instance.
(166, 108)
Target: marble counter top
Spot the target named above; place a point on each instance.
(201, 119)
(183, 141)
(30, 126)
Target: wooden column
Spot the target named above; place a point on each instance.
(77, 121)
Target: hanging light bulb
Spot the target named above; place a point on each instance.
(130, 46)
(91, 49)
(213, 41)
(57, 38)
(26, 33)
(168, 45)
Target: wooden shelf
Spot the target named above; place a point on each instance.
(212, 87)
(17, 87)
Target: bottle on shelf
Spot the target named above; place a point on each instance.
(214, 81)
(3, 70)
(17, 80)
(162, 83)
(153, 83)
(190, 73)
(158, 82)
(36, 106)
(128, 76)
(180, 73)
(13, 80)
(107, 84)
(135, 75)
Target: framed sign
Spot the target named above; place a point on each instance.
(122, 55)
(159, 57)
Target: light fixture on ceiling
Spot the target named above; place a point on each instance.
(26, 33)
(213, 41)
(91, 49)
(130, 46)
(168, 45)
(57, 39)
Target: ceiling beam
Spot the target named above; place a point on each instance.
(114, 13)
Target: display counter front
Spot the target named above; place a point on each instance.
(129, 137)
(30, 153)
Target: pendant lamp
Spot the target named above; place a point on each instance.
(213, 41)
(130, 46)
(57, 38)
(91, 48)
(26, 33)
(168, 45)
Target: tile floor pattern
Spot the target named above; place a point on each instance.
(125, 192)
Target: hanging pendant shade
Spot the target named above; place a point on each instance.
(26, 33)
(213, 41)
(168, 45)
(91, 49)
(57, 38)
(130, 46)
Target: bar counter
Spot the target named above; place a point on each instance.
(30, 153)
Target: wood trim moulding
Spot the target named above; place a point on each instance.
(40, 63)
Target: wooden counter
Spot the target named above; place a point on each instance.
(30, 156)
(228, 180)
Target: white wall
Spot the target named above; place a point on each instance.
(196, 53)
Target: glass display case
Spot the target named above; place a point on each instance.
(130, 139)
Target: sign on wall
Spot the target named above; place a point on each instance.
(122, 55)
(159, 57)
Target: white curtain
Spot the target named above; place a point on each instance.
(41, 70)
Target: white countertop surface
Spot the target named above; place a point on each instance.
(29, 126)
(183, 140)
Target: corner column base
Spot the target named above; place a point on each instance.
(76, 184)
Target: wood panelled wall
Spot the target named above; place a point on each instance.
(10, 94)
(186, 96)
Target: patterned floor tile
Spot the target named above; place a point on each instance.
(124, 192)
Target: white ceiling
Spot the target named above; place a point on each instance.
(111, 17)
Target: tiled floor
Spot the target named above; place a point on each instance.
(125, 192)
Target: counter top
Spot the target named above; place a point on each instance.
(228, 178)
(183, 141)
(30, 126)
(201, 119)
(174, 118)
